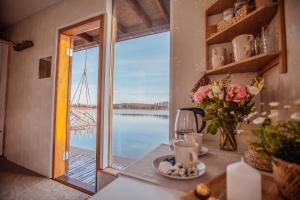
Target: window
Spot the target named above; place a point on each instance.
(141, 96)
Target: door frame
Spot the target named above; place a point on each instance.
(4, 64)
(83, 26)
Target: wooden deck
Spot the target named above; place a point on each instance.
(82, 165)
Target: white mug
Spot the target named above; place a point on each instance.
(194, 138)
(185, 152)
(218, 56)
(242, 46)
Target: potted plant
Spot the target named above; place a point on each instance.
(226, 105)
(281, 141)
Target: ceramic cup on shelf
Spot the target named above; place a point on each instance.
(228, 14)
(185, 152)
(242, 46)
(218, 56)
(195, 138)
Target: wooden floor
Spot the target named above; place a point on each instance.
(82, 165)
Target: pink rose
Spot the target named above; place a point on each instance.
(236, 93)
(201, 93)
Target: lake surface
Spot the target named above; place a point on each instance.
(135, 133)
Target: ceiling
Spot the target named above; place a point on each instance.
(13, 11)
(135, 18)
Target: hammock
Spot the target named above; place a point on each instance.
(82, 112)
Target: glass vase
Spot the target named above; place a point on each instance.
(227, 138)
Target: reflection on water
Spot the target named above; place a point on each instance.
(135, 133)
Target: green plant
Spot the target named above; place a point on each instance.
(279, 139)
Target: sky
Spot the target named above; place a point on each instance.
(141, 74)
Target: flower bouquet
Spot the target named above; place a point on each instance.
(226, 105)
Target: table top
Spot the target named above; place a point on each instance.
(215, 161)
(126, 188)
(140, 181)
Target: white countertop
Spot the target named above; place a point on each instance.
(125, 188)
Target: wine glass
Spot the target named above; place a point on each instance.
(185, 123)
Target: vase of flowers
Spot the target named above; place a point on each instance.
(226, 105)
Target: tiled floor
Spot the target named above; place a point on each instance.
(19, 183)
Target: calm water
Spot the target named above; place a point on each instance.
(135, 133)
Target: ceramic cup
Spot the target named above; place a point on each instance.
(242, 46)
(185, 152)
(218, 56)
(194, 138)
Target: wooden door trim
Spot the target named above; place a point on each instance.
(55, 100)
(64, 31)
(100, 90)
(5, 97)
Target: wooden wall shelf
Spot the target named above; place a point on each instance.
(220, 6)
(252, 64)
(252, 23)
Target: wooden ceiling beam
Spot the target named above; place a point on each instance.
(85, 37)
(163, 10)
(139, 11)
(143, 32)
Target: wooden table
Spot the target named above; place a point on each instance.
(140, 181)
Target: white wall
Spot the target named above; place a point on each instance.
(29, 127)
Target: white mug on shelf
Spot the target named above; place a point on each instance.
(185, 152)
(218, 56)
(195, 138)
(242, 46)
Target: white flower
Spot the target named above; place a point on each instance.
(221, 95)
(253, 90)
(296, 116)
(210, 95)
(216, 89)
(259, 120)
(248, 117)
(287, 106)
(263, 113)
(273, 114)
(274, 104)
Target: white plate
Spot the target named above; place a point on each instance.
(204, 151)
(201, 167)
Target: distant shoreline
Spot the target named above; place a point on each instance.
(131, 106)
